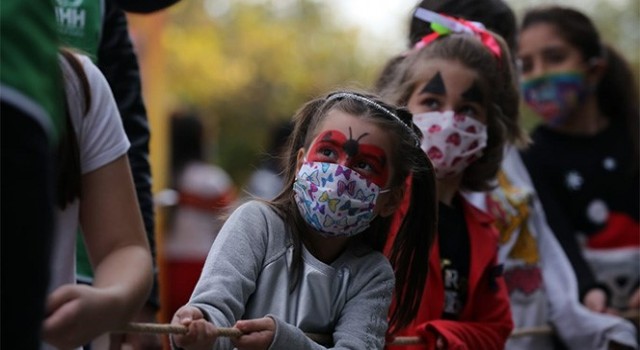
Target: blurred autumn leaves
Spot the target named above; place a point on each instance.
(254, 66)
(246, 64)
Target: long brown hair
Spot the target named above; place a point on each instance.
(410, 252)
(69, 172)
(497, 79)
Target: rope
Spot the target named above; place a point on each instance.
(632, 315)
(229, 332)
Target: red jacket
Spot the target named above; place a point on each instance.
(485, 321)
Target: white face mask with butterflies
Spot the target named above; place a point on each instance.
(451, 141)
(335, 200)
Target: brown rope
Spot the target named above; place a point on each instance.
(230, 332)
(632, 315)
(319, 338)
(173, 329)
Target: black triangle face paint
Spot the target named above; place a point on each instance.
(474, 93)
(435, 85)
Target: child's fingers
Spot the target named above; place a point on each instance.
(60, 296)
(258, 333)
(595, 300)
(256, 325)
(186, 314)
(199, 333)
(203, 330)
(255, 340)
(634, 300)
(440, 343)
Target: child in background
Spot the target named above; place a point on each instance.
(458, 84)
(310, 260)
(584, 157)
(539, 277)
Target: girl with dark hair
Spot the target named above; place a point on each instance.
(458, 84)
(538, 275)
(584, 157)
(96, 194)
(310, 260)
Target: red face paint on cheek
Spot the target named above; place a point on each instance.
(374, 164)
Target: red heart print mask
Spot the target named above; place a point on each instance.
(451, 141)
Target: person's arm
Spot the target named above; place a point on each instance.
(110, 217)
(118, 62)
(229, 275)
(119, 252)
(115, 239)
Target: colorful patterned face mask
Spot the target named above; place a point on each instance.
(555, 96)
(451, 141)
(335, 200)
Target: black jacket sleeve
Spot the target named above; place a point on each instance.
(144, 6)
(118, 62)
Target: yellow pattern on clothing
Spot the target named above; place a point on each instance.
(510, 207)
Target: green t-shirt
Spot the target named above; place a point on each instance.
(80, 24)
(30, 78)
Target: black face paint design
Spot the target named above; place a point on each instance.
(474, 93)
(435, 85)
(351, 146)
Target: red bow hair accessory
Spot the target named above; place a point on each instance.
(445, 25)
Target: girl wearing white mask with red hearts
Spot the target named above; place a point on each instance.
(458, 83)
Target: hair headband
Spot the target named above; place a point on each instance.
(445, 25)
(374, 104)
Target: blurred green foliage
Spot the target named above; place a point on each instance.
(253, 66)
(244, 65)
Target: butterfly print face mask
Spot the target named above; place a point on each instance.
(335, 200)
(451, 141)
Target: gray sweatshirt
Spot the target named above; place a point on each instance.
(247, 274)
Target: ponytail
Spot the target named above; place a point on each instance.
(69, 170)
(283, 202)
(617, 95)
(412, 246)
